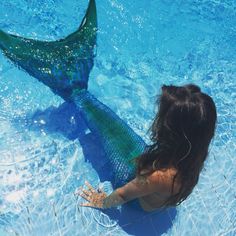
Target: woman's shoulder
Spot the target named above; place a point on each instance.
(163, 180)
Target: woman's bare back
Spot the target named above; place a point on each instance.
(157, 199)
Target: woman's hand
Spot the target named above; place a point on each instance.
(95, 198)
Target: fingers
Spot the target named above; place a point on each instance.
(86, 192)
(90, 187)
(87, 195)
(90, 190)
(83, 193)
(90, 195)
(84, 196)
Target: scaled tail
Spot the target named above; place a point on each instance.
(63, 65)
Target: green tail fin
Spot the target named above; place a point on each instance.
(63, 65)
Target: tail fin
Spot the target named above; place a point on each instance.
(63, 65)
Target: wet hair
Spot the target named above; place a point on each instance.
(181, 133)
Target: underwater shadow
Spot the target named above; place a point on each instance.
(137, 222)
(68, 121)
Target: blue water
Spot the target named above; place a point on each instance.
(141, 45)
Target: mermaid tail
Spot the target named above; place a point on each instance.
(64, 66)
(121, 144)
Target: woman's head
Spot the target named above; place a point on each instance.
(181, 134)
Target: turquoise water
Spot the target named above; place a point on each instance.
(140, 47)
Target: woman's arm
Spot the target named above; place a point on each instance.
(138, 187)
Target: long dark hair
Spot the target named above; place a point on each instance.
(181, 133)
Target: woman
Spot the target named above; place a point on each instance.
(162, 174)
(169, 169)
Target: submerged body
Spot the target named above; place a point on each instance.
(121, 146)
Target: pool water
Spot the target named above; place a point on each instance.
(141, 45)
